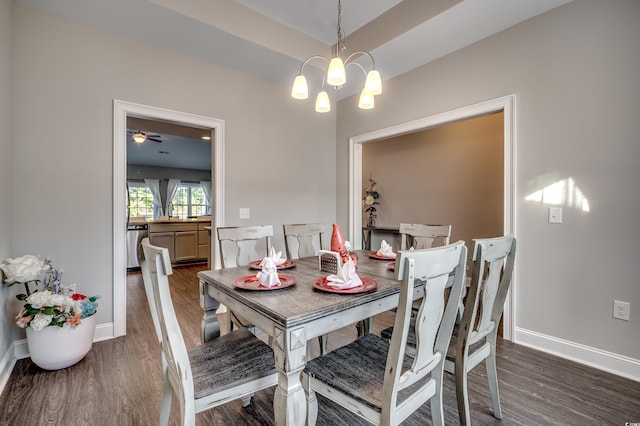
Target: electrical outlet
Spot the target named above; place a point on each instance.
(245, 213)
(621, 310)
(555, 214)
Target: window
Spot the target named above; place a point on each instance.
(140, 200)
(189, 201)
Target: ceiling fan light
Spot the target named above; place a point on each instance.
(300, 90)
(139, 137)
(336, 75)
(322, 102)
(366, 99)
(373, 83)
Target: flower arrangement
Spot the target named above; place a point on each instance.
(369, 202)
(56, 305)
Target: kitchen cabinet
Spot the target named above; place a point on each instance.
(163, 239)
(184, 239)
(186, 245)
(203, 240)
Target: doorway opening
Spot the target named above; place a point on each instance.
(504, 104)
(121, 112)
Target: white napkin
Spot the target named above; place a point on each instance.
(276, 257)
(345, 278)
(269, 275)
(386, 250)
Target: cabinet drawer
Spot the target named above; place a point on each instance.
(203, 251)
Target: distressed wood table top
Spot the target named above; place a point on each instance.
(302, 302)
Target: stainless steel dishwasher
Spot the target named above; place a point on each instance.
(135, 234)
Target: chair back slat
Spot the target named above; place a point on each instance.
(239, 245)
(432, 268)
(421, 236)
(492, 270)
(306, 237)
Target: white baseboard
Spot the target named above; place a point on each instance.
(7, 363)
(593, 357)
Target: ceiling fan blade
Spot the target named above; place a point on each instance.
(153, 139)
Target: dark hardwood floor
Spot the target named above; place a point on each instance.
(119, 382)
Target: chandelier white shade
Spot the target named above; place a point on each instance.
(336, 76)
(322, 102)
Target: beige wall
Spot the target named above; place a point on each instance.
(67, 76)
(6, 169)
(451, 174)
(574, 71)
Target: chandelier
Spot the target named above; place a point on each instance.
(336, 76)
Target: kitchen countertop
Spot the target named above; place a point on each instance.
(176, 220)
(172, 220)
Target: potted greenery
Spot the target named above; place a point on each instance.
(369, 202)
(60, 323)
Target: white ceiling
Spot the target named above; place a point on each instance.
(318, 18)
(271, 38)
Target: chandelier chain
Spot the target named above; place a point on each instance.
(339, 44)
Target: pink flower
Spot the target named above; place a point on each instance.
(23, 321)
(74, 320)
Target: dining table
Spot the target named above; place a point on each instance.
(302, 308)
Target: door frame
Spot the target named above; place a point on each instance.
(122, 110)
(505, 104)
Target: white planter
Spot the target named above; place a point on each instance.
(53, 348)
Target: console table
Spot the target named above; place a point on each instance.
(369, 231)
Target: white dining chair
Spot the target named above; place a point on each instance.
(423, 236)
(239, 247)
(476, 335)
(375, 379)
(418, 236)
(304, 239)
(239, 244)
(233, 366)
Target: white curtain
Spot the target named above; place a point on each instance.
(206, 188)
(172, 188)
(154, 186)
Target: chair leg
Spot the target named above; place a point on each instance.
(167, 396)
(364, 327)
(462, 393)
(492, 377)
(246, 400)
(437, 410)
(322, 341)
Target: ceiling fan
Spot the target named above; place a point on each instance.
(139, 137)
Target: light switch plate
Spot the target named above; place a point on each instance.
(245, 213)
(555, 214)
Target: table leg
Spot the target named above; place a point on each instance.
(209, 326)
(289, 400)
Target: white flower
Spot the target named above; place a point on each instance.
(369, 200)
(22, 269)
(39, 299)
(57, 300)
(40, 321)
